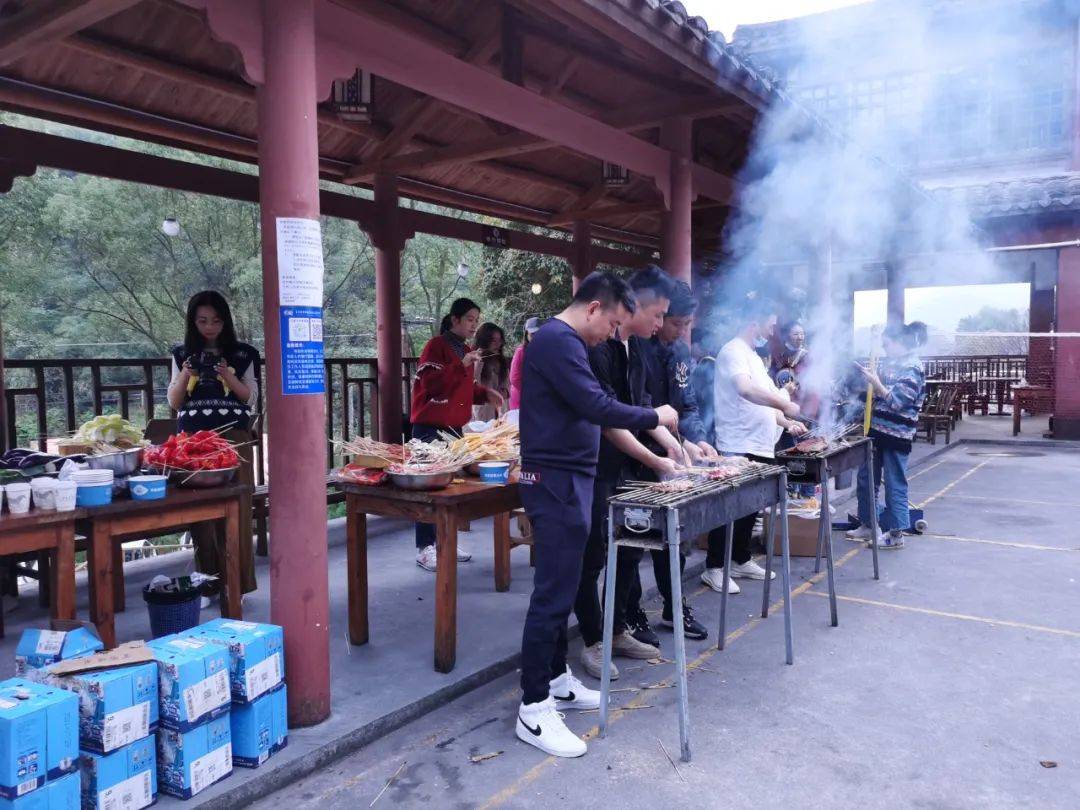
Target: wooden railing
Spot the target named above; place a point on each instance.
(51, 398)
(976, 368)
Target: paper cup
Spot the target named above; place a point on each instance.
(65, 496)
(18, 498)
(44, 492)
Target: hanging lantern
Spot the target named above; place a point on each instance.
(615, 175)
(352, 99)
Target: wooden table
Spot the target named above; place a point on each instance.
(45, 531)
(1001, 389)
(445, 507)
(1025, 396)
(108, 526)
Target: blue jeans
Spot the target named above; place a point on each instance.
(891, 465)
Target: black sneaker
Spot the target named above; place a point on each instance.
(638, 625)
(692, 628)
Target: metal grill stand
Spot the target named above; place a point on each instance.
(643, 513)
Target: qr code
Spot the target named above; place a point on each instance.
(316, 330)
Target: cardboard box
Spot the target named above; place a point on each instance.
(116, 706)
(39, 648)
(802, 536)
(39, 736)
(259, 729)
(189, 762)
(59, 794)
(256, 653)
(193, 681)
(125, 778)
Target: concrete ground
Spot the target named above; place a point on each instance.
(950, 683)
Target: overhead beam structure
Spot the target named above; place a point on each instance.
(42, 22)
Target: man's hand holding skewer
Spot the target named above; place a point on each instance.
(668, 417)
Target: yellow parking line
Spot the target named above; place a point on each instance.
(946, 488)
(1015, 500)
(534, 772)
(947, 615)
(913, 476)
(998, 542)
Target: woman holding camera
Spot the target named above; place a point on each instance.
(213, 387)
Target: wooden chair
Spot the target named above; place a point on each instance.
(937, 415)
(976, 399)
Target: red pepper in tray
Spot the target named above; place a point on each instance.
(204, 450)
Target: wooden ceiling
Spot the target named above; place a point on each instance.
(151, 70)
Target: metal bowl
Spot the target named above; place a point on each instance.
(422, 482)
(123, 464)
(197, 479)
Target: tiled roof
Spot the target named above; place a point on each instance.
(1007, 198)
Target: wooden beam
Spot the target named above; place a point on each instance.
(409, 22)
(604, 212)
(423, 109)
(558, 81)
(119, 54)
(347, 36)
(630, 119)
(39, 23)
(511, 52)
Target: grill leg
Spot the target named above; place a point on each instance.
(821, 524)
(826, 540)
(768, 561)
(785, 565)
(727, 581)
(609, 623)
(873, 507)
(680, 640)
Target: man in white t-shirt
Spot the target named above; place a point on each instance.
(751, 414)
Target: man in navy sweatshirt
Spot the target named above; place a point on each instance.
(563, 409)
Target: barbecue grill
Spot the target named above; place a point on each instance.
(844, 450)
(645, 516)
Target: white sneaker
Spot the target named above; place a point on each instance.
(862, 534)
(592, 658)
(626, 646)
(749, 570)
(463, 555)
(892, 540)
(714, 578)
(426, 558)
(570, 693)
(540, 725)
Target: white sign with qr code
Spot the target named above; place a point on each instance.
(50, 642)
(209, 768)
(126, 726)
(263, 676)
(207, 695)
(131, 794)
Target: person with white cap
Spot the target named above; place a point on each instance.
(517, 363)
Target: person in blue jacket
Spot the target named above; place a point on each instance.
(563, 410)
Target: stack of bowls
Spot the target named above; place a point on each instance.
(44, 493)
(95, 487)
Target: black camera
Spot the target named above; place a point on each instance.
(204, 364)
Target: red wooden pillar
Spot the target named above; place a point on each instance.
(1067, 350)
(581, 263)
(289, 188)
(895, 296)
(1040, 359)
(389, 239)
(676, 135)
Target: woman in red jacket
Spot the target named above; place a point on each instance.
(443, 394)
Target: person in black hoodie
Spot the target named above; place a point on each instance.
(621, 364)
(560, 423)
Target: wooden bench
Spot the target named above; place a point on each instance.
(937, 415)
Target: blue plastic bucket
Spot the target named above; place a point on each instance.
(494, 472)
(147, 487)
(97, 495)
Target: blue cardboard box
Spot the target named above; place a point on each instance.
(39, 648)
(116, 706)
(189, 762)
(59, 794)
(259, 729)
(126, 778)
(256, 654)
(193, 681)
(39, 736)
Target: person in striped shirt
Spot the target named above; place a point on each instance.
(899, 390)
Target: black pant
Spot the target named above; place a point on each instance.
(590, 614)
(425, 532)
(741, 548)
(662, 573)
(558, 504)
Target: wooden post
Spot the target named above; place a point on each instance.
(676, 135)
(289, 189)
(388, 238)
(581, 263)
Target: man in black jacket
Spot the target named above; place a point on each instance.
(621, 365)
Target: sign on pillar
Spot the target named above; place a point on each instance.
(300, 296)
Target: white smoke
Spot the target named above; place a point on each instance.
(829, 207)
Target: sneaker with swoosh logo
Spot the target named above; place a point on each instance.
(570, 693)
(540, 725)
